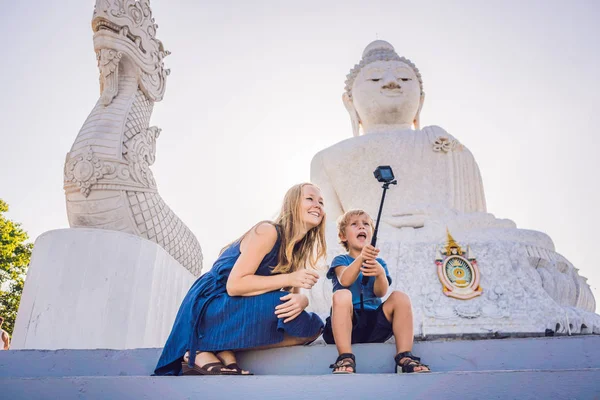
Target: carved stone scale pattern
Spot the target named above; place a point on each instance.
(157, 222)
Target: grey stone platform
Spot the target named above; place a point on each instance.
(533, 368)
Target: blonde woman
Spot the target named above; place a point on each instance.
(250, 298)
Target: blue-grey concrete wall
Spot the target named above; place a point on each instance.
(482, 385)
(579, 352)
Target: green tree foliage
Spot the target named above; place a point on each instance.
(14, 260)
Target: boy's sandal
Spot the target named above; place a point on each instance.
(346, 360)
(409, 364)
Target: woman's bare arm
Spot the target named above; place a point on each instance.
(255, 246)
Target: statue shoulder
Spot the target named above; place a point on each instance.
(322, 157)
(317, 160)
(442, 141)
(434, 132)
(326, 160)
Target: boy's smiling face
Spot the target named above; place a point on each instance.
(358, 232)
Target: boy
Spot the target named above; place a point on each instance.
(366, 320)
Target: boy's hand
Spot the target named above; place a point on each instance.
(294, 304)
(372, 268)
(369, 252)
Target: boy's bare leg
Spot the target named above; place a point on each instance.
(341, 322)
(398, 311)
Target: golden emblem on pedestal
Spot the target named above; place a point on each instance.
(458, 271)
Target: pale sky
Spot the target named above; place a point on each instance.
(255, 91)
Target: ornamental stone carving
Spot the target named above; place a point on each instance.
(444, 144)
(132, 21)
(86, 170)
(140, 151)
(107, 178)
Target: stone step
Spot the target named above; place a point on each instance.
(578, 384)
(545, 354)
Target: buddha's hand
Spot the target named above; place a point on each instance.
(294, 304)
(407, 220)
(303, 278)
(417, 216)
(372, 268)
(369, 253)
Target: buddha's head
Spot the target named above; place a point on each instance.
(383, 89)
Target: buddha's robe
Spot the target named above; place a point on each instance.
(435, 175)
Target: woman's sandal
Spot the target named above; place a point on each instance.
(344, 360)
(214, 368)
(237, 370)
(410, 363)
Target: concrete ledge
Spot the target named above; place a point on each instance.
(563, 384)
(580, 352)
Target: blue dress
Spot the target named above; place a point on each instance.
(211, 320)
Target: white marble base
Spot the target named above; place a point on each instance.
(527, 286)
(92, 288)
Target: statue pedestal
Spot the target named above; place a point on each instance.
(526, 286)
(92, 288)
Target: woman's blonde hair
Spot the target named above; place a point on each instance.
(295, 250)
(344, 220)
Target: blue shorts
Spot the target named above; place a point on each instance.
(368, 326)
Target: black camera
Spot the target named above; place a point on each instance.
(384, 173)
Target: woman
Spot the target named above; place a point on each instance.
(239, 303)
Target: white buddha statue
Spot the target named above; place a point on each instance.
(436, 174)
(439, 187)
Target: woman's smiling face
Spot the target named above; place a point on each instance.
(311, 206)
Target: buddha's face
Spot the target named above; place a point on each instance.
(386, 92)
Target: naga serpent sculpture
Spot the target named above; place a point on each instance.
(107, 180)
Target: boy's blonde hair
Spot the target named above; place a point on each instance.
(343, 221)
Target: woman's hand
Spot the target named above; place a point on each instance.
(303, 278)
(293, 306)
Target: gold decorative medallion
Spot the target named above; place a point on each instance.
(458, 271)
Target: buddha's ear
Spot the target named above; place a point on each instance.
(354, 118)
(417, 120)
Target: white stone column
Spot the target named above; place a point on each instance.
(92, 288)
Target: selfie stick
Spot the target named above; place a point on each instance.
(384, 174)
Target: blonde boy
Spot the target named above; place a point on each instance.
(366, 320)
